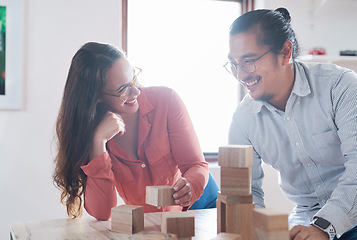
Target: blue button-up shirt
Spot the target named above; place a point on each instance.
(312, 145)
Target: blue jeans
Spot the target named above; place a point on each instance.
(349, 235)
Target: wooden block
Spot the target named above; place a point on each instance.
(160, 196)
(260, 234)
(239, 219)
(128, 219)
(232, 199)
(227, 236)
(221, 216)
(153, 235)
(235, 218)
(180, 223)
(236, 181)
(270, 220)
(240, 156)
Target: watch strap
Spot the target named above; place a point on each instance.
(330, 230)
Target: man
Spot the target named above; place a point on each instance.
(302, 120)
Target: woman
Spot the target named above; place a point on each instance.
(114, 136)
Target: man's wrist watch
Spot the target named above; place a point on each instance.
(325, 226)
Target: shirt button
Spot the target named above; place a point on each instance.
(309, 164)
(297, 144)
(288, 118)
(323, 200)
(143, 165)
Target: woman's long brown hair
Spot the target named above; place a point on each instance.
(78, 117)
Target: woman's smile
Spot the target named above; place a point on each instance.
(131, 102)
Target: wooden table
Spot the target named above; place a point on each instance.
(89, 228)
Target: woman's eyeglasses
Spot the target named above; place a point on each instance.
(124, 91)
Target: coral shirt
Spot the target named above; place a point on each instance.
(168, 149)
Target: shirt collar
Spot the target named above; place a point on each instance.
(301, 84)
(145, 105)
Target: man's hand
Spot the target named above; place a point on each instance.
(300, 232)
(182, 193)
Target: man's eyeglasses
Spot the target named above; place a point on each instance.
(124, 91)
(247, 66)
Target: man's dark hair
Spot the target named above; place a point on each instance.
(274, 27)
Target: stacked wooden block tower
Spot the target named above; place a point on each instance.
(235, 202)
(235, 208)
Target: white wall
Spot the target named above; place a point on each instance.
(332, 26)
(53, 31)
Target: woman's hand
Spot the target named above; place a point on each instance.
(182, 193)
(111, 125)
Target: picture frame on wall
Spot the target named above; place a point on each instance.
(11, 82)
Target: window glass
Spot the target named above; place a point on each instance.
(183, 44)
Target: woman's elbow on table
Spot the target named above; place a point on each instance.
(99, 213)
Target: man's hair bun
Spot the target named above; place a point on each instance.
(285, 13)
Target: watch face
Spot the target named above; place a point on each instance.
(322, 223)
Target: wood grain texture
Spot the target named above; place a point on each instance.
(233, 199)
(221, 216)
(85, 228)
(235, 218)
(154, 236)
(239, 219)
(236, 181)
(240, 156)
(270, 220)
(128, 219)
(227, 236)
(260, 234)
(180, 223)
(160, 196)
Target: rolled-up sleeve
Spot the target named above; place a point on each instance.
(99, 193)
(185, 147)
